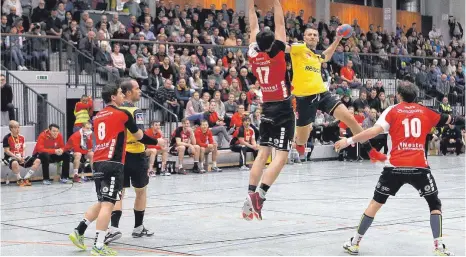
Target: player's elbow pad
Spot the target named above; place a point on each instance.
(147, 140)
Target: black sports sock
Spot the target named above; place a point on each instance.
(138, 218)
(264, 187)
(367, 146)
(81, 228)
(115, 218)
(252, 188)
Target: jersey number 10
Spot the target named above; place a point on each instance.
(412, 127)
(265, 78)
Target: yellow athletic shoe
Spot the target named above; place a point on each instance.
(77, 240)
(351, 248)
(104, 251)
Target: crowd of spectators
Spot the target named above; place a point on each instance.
(210, 79)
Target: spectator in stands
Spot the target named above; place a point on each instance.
(15, 45)
(346, 100)
(182, 94)
(343, 89)
(361, 101)
(166, 96)
(7, 4)
(88, 27)
(14, 149)
(138, 71)
(205, 141)
(7, 98)
(51, 149)
(39, 45)
(383, 103)
(80, 147)
(5, 27)
(161, 148)
(442, 87)
(230, 107)
(118, 59)
(105, 59)
(243, 141)
(373, 100)
(72, 34)
(83, 111)
(133, 8)
(216, 123)
(444, 106)
(54, 28)
(451, 137)
(456, 30)
(194, 109)
(195, 82)
(347, 74)
(40, 14)
(184, 143)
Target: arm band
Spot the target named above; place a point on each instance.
(147, 140)
(350, 141)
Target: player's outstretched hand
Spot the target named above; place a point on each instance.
(341, 144)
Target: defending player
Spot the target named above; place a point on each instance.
(267, 57)
(136, 166)
(408, 124)
(312, 94)
(110, 127)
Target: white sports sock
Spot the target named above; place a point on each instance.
(29, 174)
(100, 238)
(356, 239)
(18, 176)
(75, 171)
(261, 192)
(214, 164)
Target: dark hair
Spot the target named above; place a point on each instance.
(153, 122)
(53, 125)
(184, 120)
(265, 39)
(126, 85)
(108, 91)
(246, 118)
(204, 121)
(408, 92)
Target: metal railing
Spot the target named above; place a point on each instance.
(33, 108)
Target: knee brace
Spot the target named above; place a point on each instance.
(380, 198)
(434, 202)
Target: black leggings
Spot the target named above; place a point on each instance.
(46, 159)
(243, 150)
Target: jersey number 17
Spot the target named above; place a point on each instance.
(263, 79)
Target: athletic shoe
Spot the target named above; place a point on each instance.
(244, 167)
(20, 182)
(441, 250)
(76, 178)
(152, 173)
(47, 182)
(256, 202)
(247, 210)
(104, 251)
(301, 149)
(165, 173)
(377, 156)
(77, 239)
(27, 182)
(143, 232)
(65, 181)
(84, 179)
(216, 169)
(112, 235)
(181, 171)
(197, 170)
(202, 171)
(351, 248)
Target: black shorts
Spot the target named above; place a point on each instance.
(136, 166)
(277, 125)
(392, 179)
(174, 151)
(307, 106)
(108, 181)
(28, 161)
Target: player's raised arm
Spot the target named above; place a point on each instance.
(253, 23)
(328, 53)
(279, 19)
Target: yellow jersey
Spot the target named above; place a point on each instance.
(133, 145)
(307, 79)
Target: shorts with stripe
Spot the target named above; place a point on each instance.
(392, 179)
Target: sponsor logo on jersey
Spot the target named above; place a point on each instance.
(139, 117)
(313, 69)
(410, 146)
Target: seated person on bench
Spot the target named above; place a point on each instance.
(80, 147)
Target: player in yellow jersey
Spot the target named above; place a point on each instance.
(312, 94)
(136, 167)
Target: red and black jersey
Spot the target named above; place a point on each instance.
(247, 134)
(110, 126)
(16, 144)
(408, 125)
(184, 135)
(211, 118)
(154, 134)
(270, 68)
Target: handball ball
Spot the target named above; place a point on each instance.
(345, 30)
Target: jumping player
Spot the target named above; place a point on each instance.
(408, 124)
(136, 166)
(267, 57)
(312, 94)
(110, 126)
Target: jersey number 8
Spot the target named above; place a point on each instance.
(412, 128)
(101, 131)
(263, 79)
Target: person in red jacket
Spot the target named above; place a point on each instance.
(80, 146)
(237, 118)
(161, 148)
(205, 140)
(51, 149)
(83, 111)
